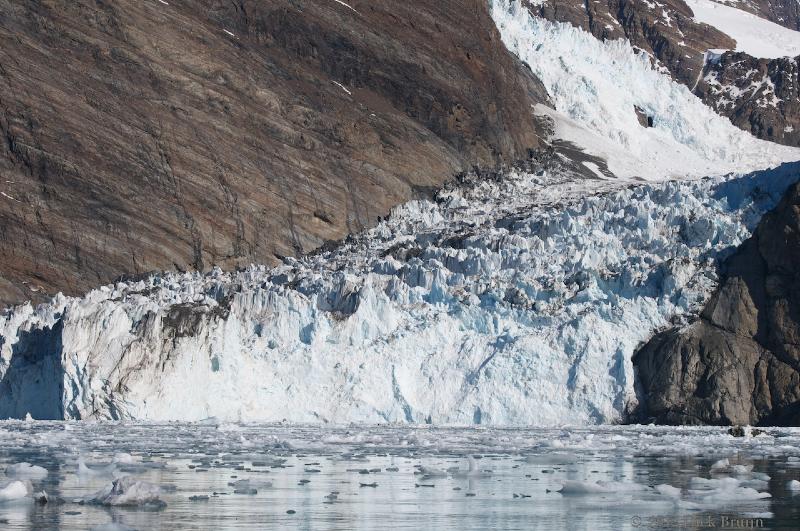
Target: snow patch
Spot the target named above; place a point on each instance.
(754, 35)
(342, 87)
(348, 6)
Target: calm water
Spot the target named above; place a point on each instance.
(356, 477)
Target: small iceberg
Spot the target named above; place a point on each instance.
(582, 488)
(15, 490)
(86, 471)
(127, 491)
(471, 472)
(26, 471)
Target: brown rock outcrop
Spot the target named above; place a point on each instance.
(758, 95)
(740, 362)
(139, 135)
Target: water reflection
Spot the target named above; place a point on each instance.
(310, 477)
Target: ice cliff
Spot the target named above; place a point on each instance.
(512, 298)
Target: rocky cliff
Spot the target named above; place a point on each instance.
(739, 363)
(150, 135)
(758, 95)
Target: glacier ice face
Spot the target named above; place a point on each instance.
(595, 87)
(510, 299)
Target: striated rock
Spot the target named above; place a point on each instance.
(740, 362)
(140, 136)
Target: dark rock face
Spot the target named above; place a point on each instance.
(138, 136)
(757, 95)
(740, 362)
(644, 119)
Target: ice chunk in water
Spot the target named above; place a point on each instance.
(742, 470)
(432, 472)
(472, 471)
(123, 458)
(112, 526)
(15, 490)
(26, 471)
(793, 485)
(668, 490)
(86, 471)
(725, 489)
(600, 487)
(127, 491)
(721, 464)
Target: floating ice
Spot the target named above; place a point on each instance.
(26, 471)
(721, 464)
(123, 458)
(15, 490)
(127, 491)
(668, 490)
(87, 471)
(112, 526)
(472, 470)
(719, 490)
(430, 472)
(575, 487)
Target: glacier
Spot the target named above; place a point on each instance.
(595, 87)
(511, 298)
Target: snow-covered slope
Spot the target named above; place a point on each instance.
(596, 86)
(754, 35)
(510, 300)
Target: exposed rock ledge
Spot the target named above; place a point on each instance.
(739, 363)
(139, 136)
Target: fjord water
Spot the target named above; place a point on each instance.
(245, 476)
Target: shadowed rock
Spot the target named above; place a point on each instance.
(739, 363)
